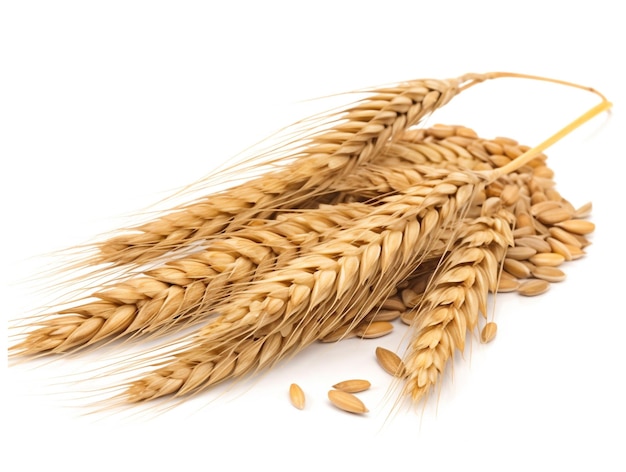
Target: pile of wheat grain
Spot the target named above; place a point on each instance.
(369, 218)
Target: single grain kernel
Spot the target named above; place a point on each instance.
(353, 385)
(516, 268)
(520, 253)
(549, 274)
(296, 395)
(577, 226)
(390, 362)
(347, 402)
(554, 216)
(488, 332)
(506, 284)
(550, 259)
(393, 304)
(375, 329)
(531, 288)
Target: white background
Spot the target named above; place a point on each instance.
(106, 107)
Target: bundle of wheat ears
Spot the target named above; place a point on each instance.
(365, 217)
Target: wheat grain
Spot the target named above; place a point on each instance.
(520, 253)
(578, 227)
(516, 268)
(353, 385)
(549, 274)
(296, 395)
(488, 332)
(347, 402)
(507, 285)
(549, 259)
(531, 288)
(390, 362)
(559, 248)
(378, 315)
(374, 329)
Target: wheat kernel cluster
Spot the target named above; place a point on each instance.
(366, 217)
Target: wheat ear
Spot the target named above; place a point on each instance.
(355, 136)
(457, 294)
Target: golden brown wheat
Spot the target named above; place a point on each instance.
(365, 219)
